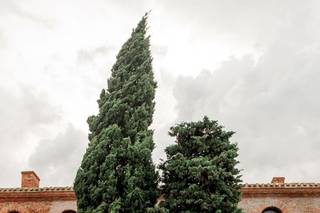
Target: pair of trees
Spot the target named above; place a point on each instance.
(117, 173)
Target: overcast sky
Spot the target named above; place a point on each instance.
(252, 65)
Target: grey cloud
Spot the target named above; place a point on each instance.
(271, 102)
(273, 105)
(161, 140)
(57, 160)
(164, 115)
(2, 40)
(137, 7)
(248, 19)
(159, 50)
(42, 21)
(24, 114)
(12, 7)
(88, 55)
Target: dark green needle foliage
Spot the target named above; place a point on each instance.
(117, 173)
(200, 173)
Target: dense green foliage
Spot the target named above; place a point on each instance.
(117, 173)
(200, 173)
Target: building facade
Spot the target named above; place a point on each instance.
(274, 197)
(281, 197)
(30, 198)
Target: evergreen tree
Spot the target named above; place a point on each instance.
(199, 174)
(117, 173)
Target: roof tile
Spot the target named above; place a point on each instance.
(43, 189)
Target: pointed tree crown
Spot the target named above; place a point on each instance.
(117, 173)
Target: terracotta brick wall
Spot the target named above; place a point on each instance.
(29, 198)
(37, 200)
(25, 207)
(288, 197)
(29, 179)
(38, 206)
(285, 204)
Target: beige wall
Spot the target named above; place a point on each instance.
(60, 206)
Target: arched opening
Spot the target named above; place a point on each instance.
(69, 211)
(13, 212)
(272, 210)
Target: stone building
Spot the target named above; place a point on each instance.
(30, 198)
(274, 197)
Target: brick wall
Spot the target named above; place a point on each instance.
(30, 198)
(286, 197)
(29, 179)
(38, 206)
(25, 207)
(285, 204)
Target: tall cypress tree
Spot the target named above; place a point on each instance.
(117, 173)
(200, 173)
